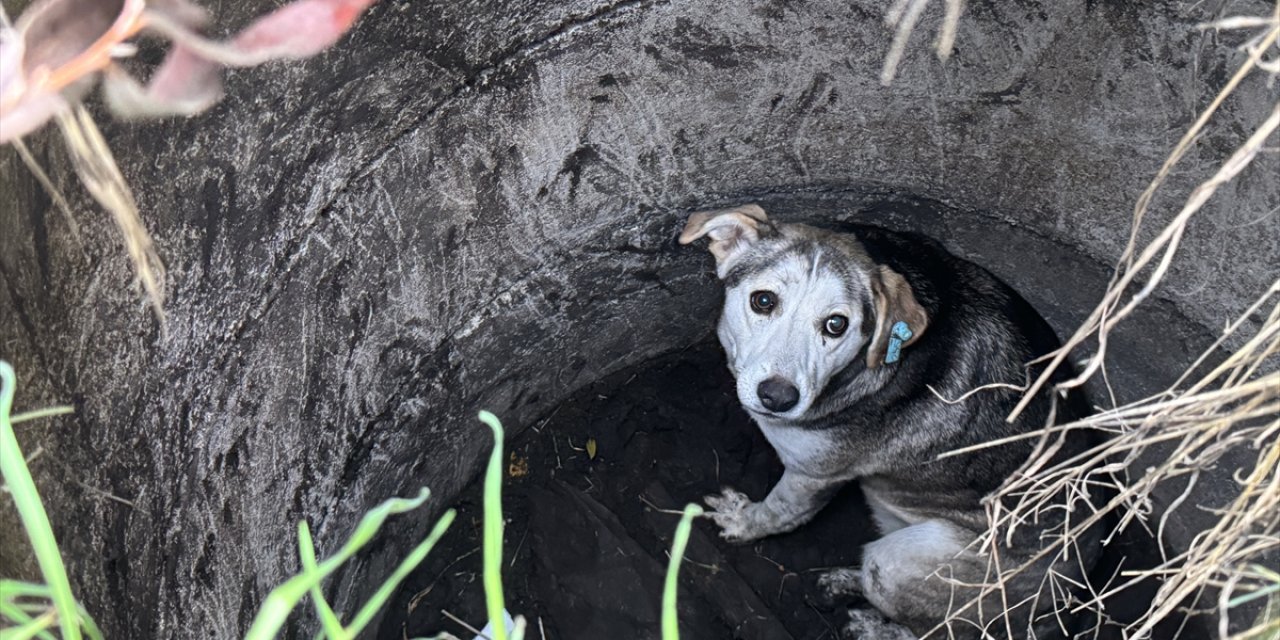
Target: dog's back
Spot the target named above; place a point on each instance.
(981, 332)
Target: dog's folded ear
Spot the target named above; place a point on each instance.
(731, 230)
(895, 303)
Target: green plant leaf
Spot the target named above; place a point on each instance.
(380, 597)
(670, 619)
(307, 554)
(13, 466)
(16, 615)
(1261, 592)
(41, 413)
(31, 628)
(281, 601)
(13, 589)
(492, 544)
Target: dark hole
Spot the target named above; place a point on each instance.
(586, 545)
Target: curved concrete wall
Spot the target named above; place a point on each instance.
(463, 207)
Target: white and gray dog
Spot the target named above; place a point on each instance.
(844, 346)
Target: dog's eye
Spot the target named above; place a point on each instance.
(835, 326)
(763, 301)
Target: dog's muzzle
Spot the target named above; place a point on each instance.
(778, 395)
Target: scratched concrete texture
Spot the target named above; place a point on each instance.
(471, 205)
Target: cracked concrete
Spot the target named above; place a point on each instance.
(466, 206)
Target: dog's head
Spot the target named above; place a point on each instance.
(800, 305)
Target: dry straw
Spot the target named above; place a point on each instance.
(1187, 429)
(96, 167)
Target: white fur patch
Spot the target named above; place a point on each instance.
(907, 556)
(870, 625)
(888, 517)
(800, 449)
(931, 541)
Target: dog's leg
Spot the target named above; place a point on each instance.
(791, 503)
(907, 574)
(847, 581)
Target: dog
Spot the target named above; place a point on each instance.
(846, 347)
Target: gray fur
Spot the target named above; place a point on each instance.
(860, 419)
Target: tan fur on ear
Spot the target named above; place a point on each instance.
(895, 302)
(731, 230)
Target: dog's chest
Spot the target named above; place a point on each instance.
(807, 450)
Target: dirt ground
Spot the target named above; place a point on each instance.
(587, 535)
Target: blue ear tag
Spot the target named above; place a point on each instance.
(898, 335)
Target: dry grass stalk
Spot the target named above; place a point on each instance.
(1109, 312)
(1234, 406)
(1230, 407)
(903, 16)
(97, 169)
(34, 167)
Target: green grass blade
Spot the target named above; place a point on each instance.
(372, 522)
(13, 589)
(281, 601)
(30, 629)
(307, 554)
(16, 615)
(90, 627)
(380, 597)
(31, 511)
(275, 609)
(493, 531)
(41, 413)
(1269, 574)
(1261, 592)
(670, 620)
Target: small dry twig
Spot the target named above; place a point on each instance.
(903, 16)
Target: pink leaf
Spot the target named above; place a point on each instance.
(55, 32)
(186, 77)
(186, 84)
(29, 114)
(301, 29)
(59, 46)
(297, 30)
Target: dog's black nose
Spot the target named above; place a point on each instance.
(777, 394)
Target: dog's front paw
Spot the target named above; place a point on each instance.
(733, 512)
(867, 624)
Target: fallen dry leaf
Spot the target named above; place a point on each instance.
(519, 467)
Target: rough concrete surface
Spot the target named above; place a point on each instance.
(472, 205)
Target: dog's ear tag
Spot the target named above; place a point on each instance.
(898, 335)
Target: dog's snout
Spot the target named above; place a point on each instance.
(777, 394)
